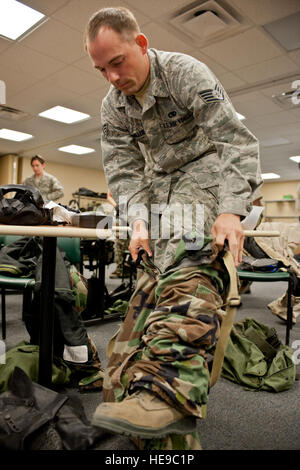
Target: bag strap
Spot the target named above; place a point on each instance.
(258, 339)
(23, 189)
(232, 301)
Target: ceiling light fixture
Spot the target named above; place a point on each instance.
(269, 176)
(16, 19)
(77, 149)
(62, 114)
(240, 116)
(295, 159)
(17, 136)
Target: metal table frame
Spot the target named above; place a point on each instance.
(50, 234)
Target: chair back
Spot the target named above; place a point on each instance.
(69, 245)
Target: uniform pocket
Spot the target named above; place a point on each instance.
(181, 132)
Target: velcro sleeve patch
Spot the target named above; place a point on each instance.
(212, 95)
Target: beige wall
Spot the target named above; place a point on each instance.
(71, 177)
(278, 189)
(7, 173)
(275, 191)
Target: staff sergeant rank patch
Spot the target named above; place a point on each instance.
(105, 130)
(212, 95)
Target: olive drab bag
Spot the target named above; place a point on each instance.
(26, 207)
(257, 359)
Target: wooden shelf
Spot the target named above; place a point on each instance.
(281, 200)
(291, 211)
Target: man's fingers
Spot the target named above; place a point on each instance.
(241, 247)
(220, 239)
(133, 251)
(136, 244)
(236, 243)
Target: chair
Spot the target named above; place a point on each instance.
(274, 277)
(69, 245)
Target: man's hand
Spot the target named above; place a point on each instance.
(110, 199)
(139, 239)
(228, 226)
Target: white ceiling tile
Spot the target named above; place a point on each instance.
(75, 80)
(156, 8)
(15, 82)
(77, 13)
(45, 6)
(248, 48)
(230, 81)
(56, 40)
(41, 96)
(86, 65)
(161, 39)
(251, 124)
(5, 44)
(86, 104)
(290, 131)
(22, 59)
(270, 69)
(295, 56)
(246, 97)
(265, 11)
(296, 113)
(254, 104)
(216, 68)
(276, 119)
(99, 94)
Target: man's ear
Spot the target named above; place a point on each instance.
(142, 42)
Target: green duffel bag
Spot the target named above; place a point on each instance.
(256, 358)
(26, 357)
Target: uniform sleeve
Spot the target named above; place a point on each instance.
(123, 164)
(237, 147)
(56, 190)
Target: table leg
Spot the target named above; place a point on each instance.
(47, 311)
(101, 271)
(289, 318)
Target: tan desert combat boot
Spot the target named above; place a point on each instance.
(143, 415)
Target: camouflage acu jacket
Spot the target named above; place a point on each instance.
(49, 186)
(189, 125)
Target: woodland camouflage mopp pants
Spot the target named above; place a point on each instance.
(172, 321)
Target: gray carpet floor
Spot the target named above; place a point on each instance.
(237, 419)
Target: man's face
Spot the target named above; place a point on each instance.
(122, 62)
(38, 167)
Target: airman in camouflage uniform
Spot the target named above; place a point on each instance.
(48, 185)
(187, 136)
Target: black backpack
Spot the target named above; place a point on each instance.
(26, 207)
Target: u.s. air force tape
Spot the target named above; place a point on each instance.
(212, 95)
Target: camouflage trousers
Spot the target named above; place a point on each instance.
(119, 248)
(172, 321)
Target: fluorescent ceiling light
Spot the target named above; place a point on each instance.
(240, 116)
(16, 18)
(269, 176)
(62, 114)
(14, 135)
(295, 159)
(76, 149)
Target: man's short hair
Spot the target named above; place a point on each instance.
(119, 19)
(37, 157)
